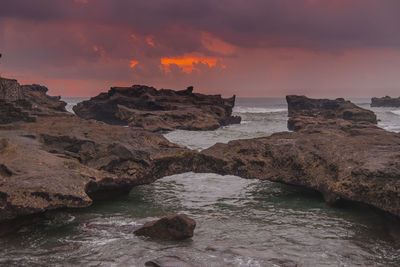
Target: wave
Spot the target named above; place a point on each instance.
(258, 110)
(396, 112)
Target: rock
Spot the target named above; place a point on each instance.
(157, 110)
(303, 111)
(68, 162)
(172, 227)
(168, 261)
(342, 159)
(24, 103)
(386, 101)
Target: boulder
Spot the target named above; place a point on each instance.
(302, 111)
(386, 101)
(172, 227)
(154, 110)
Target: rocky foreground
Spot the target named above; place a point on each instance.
(386, 101)
(154, 110)
(51, 159)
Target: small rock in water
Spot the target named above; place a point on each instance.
(172, 227)
(168, 261)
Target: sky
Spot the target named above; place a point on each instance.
(251, 48)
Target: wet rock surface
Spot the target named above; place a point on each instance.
(303, 111)
(386, 101)
(342, 159)
(150, 109)
(171, 227)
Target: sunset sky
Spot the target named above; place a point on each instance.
(253, 48)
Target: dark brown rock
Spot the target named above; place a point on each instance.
(172, 227)
(303, 111)
(156, 110)
(386, 101)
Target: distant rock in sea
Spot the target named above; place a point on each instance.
(154, 110)
(303, 111)
(386, 101)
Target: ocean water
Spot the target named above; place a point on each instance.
(239, 222)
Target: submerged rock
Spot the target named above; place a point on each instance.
(303, 111)
(171, 227)
(386, 101)
(156, 110)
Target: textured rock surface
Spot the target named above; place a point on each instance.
(342, 159)
(155, 110)
(24, 103)
(171, 227)
(303, 110)
(60, 162)
(386, 101)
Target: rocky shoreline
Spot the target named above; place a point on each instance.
(51, 159)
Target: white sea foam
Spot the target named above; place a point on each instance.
(397, 112)
(257, 110)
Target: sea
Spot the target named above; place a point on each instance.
(240, 222)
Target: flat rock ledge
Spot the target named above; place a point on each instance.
(154, 110)
(171, 227)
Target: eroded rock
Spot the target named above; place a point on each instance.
(303, 111)
(156, 110)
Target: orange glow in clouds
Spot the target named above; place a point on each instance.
(133, 63)
(187, 63)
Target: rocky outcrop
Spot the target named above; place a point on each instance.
(66, 162)
(157, 110)
(303, 111)
(51, 159)
(24, 103)
(171, 227)
(342, 159)
(386, 101)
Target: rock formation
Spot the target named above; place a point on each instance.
(50, 159)
(156, 110)
(172, 227)
(303, 110)
(340, 158)
(24, 103)
(386, 101)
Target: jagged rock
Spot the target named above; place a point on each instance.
(386, 101)
(303, 111)
(172, 227)
(156, 110)
(24, 103)
(342, 159)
